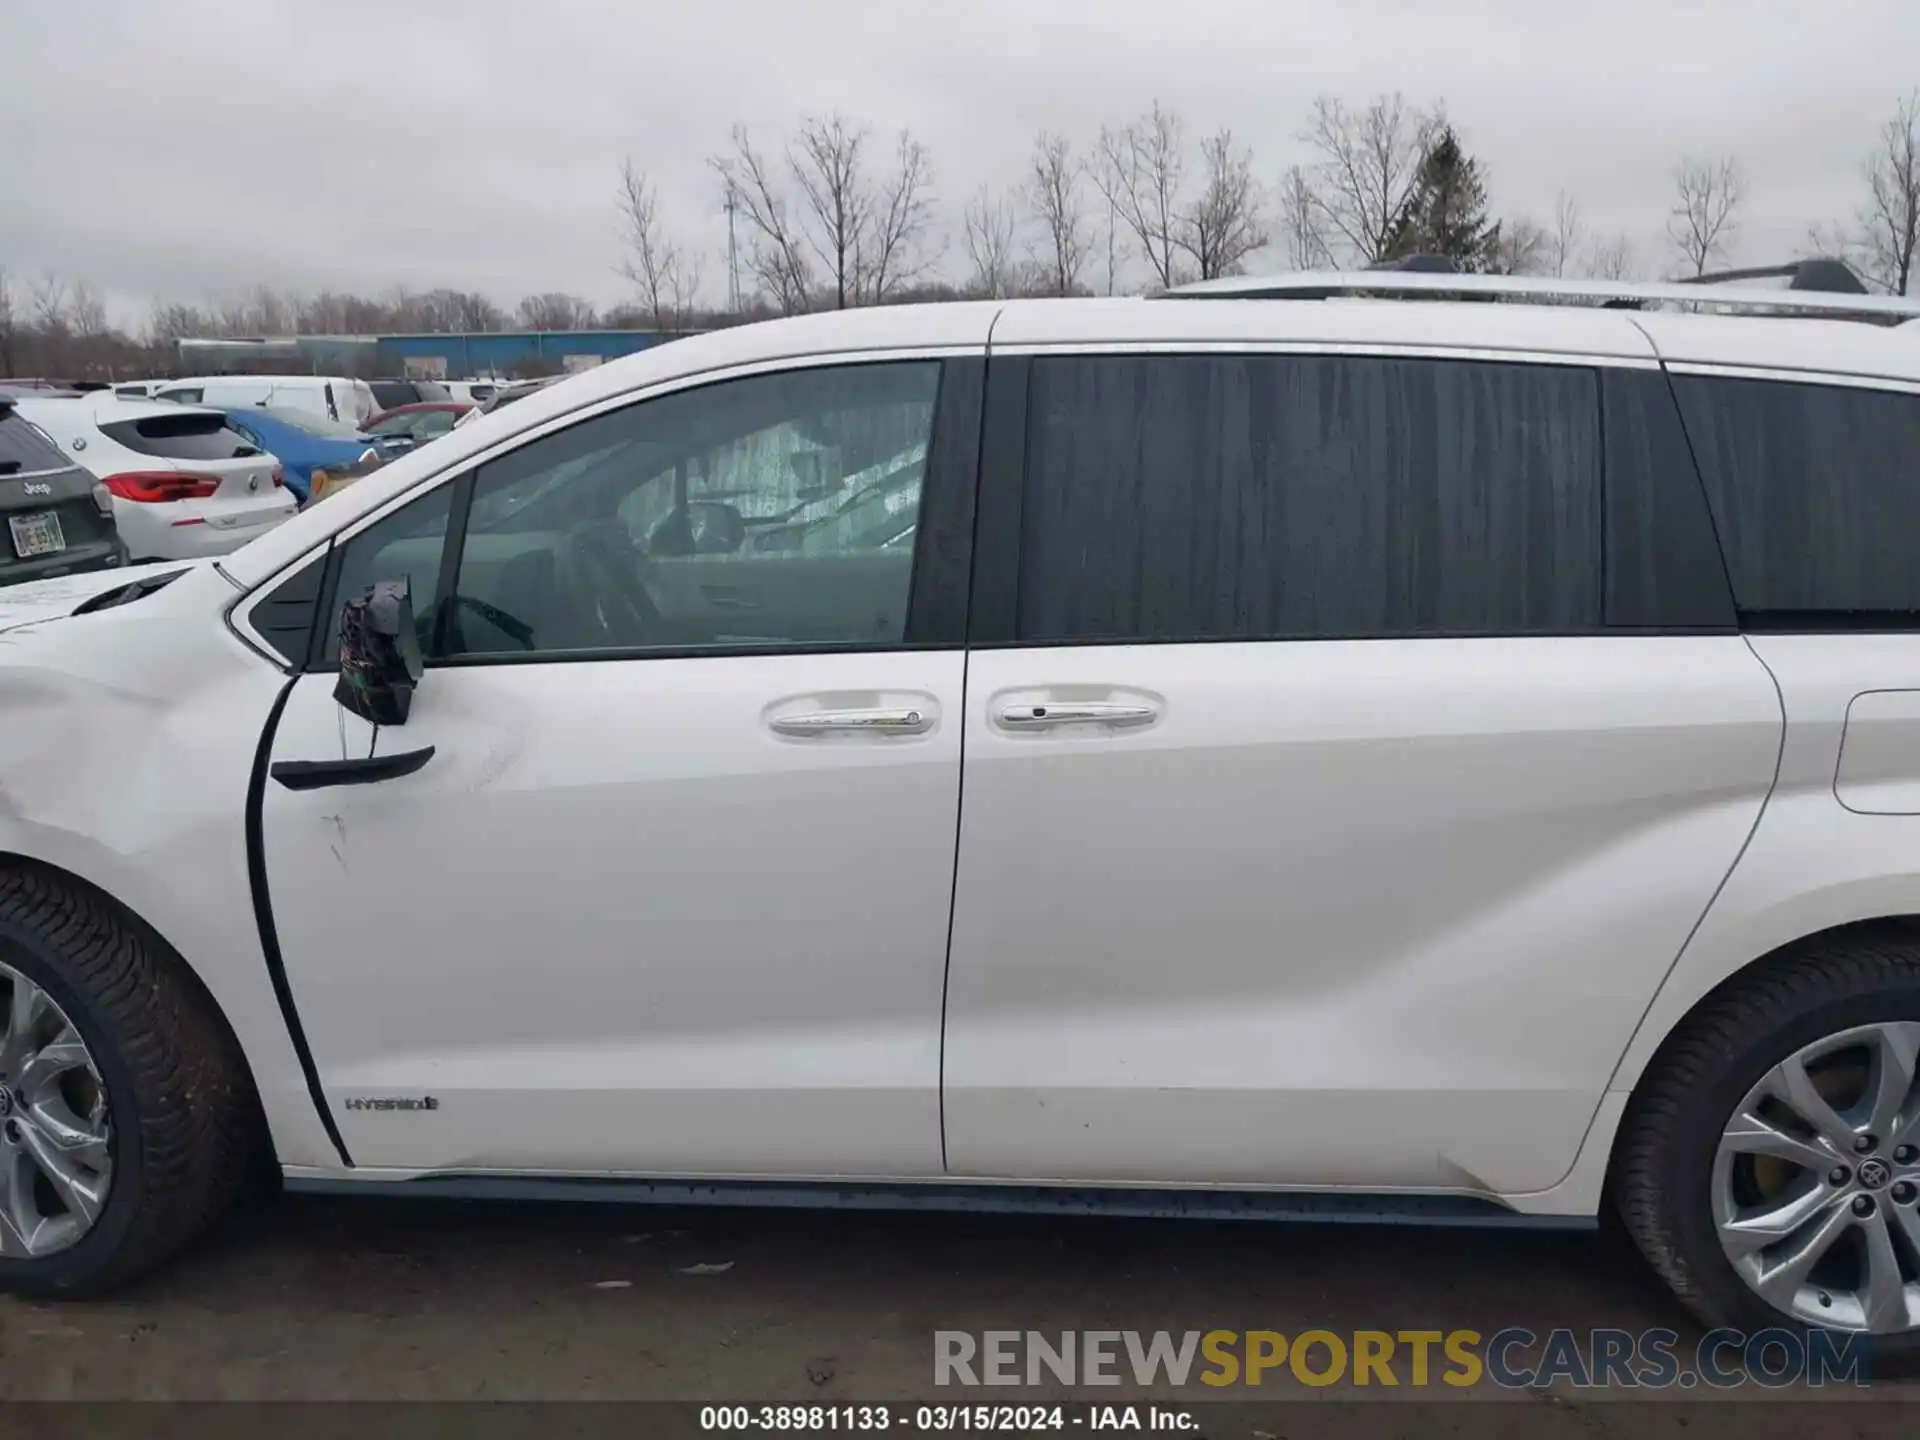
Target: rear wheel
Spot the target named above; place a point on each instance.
(1769, 1165)
(125, 1112)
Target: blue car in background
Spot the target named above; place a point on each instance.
(304, 442)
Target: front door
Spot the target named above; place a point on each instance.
(671, 893)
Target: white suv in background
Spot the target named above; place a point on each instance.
(336, 397)
(183, 483)
(1459, 759)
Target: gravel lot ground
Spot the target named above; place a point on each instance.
(312, 1299)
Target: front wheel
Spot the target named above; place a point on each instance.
(125, 1114)
(1769, 1164)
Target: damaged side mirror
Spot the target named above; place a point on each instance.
(380, 660)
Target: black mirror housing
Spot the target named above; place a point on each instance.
(380, 660)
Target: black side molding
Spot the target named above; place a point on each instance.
(319, 774)
(263, 916)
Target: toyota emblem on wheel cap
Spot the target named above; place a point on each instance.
(1875, 1173)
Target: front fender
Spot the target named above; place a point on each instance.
(131, 738)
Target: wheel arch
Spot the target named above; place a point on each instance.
(1586, 1188)
(161, 945)
(1895, 926)
(1905, 927)
(219, 956)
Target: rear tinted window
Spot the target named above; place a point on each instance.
(23, 449)
(1815, 490)
(181, 437)
(1242, 497)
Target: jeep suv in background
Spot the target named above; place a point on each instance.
(59, 521)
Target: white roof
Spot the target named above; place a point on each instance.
(1833, 346)
(1538, 330)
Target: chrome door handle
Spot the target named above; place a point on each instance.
(1076, 712)
(837, 722)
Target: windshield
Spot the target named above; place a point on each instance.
(313, 424)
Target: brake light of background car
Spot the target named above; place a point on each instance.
(161, 487)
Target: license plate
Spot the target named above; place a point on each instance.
(36, 534)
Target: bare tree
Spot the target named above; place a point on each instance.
(171, 321)
(468, 312)
(1612, 257)
(989, 225)
(1890, 220)
(9, 325)
(1225, 223)
(1302, 227)
(1706, 204)
(895, 251)
(88, 311)
(1521, 246)
(870, 233)
(667, 277)
(776, 254)
(1368, 165)
(1563, 246)
(1140, 169)
(1053, 195)
(553, 310)
(825, 161)
(49, 299)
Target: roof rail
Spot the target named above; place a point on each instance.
(1831, 276)
(1413, 285)
(1420, 265)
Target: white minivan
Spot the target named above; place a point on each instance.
(335, 396)
(1350, 744)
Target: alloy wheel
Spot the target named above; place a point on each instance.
(56, 1137)
(1816, 1182)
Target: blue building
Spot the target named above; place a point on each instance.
(457, 356)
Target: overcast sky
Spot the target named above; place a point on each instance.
(192, 148)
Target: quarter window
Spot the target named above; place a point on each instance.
(1815, 491)
(1248, 497)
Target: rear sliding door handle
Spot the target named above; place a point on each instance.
(1076, 712)
(845, 722)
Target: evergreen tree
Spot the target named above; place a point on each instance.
(1447, 212)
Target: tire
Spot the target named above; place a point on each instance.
(1663, 1170)
(183, 1114)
